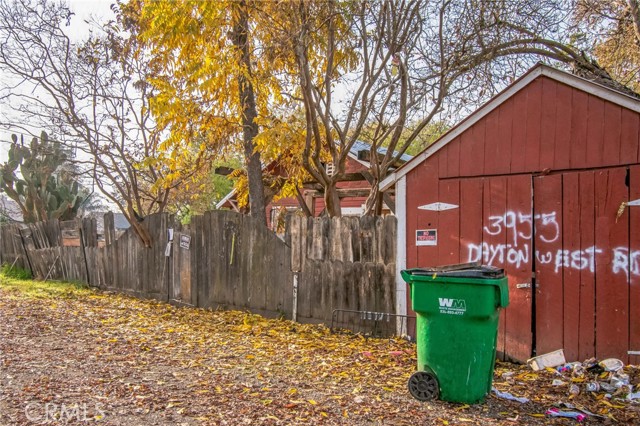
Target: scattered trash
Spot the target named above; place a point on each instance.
(619, 379)
(578, 370)
(623, 391)
(593, 387)
(569, 367)
(554, 412)
(508, 377)
(574, 390)
(552, 359)
(592, 366)
(569, 406)
(633, 396)
(508, 396)
(611, 364)
(607, 387)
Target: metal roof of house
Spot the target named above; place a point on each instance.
(364, 146)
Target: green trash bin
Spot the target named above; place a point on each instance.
(457, 309)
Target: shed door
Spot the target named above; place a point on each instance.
(496, 229)
(585, 262)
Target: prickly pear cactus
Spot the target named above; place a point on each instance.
(42, 188)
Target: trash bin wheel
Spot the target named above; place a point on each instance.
(423, 386)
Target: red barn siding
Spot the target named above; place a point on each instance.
(578, 147)
(629, 133)
(531, 148)
(634, 265)
(562, 140)
(538, 181)
(586, 217)
(550, 122)
(492, 156)
(547, 125)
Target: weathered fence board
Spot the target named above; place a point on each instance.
(12, 249)
(224, 260)
(89, 232)
(343, 263)
(65, 263)
(236, 262)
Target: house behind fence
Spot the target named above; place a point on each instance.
(326, 270)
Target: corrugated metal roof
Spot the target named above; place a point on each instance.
(364, 146)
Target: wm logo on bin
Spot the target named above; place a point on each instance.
(452, 306)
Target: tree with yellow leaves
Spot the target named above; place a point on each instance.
(238, 72)
(406, 63)
(611, 30)
(217, 79)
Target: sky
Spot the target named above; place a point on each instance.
(84, 10)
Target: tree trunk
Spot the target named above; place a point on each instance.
(373, 205)
(239, 38)
(139, 229)
(331, 200)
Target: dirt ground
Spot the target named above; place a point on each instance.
(70, 355)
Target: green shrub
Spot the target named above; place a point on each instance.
(15, 272)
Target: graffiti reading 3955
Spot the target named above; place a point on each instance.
(517, 229)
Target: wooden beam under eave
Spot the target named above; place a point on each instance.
(345, 192)
(386, 198)
(347, 177)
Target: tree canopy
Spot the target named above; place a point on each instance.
(95, 94)
(168, 88)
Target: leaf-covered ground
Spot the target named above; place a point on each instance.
(79, 355)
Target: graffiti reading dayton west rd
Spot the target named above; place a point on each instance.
(517, 230)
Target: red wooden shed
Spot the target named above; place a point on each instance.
(543, 180)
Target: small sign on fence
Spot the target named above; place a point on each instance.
(185, 241)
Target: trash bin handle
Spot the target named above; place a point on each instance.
(502, 290)
(504, 295)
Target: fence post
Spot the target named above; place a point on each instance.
(26, 251)
(83, 245)
(90, 232)
(294, 313)
(292, 234)
(109, 228)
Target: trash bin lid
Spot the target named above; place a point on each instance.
(461, 270)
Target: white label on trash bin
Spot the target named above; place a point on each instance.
(452, 306)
